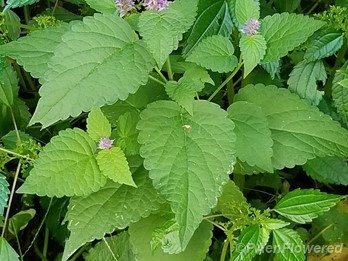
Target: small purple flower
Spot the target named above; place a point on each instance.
(251, 27)
(156, 5)
(124, 6)
(105, 143)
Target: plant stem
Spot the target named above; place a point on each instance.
(156, 80)
(169, 69)
(215, 224)
(226, 81)
(38, 253)
(30, 80)
(313, 7)
(38, 230)
(161, 74)
(78, 253)
(319, 234)
(45, 246)
(19, 246)
(10, 199)
(26, 14)
(15, 154)
(24, 26)
(20, 75)
(224, 250)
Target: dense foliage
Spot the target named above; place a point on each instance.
(186, 130)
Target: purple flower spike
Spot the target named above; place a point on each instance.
(251, 27)
(156, 5)
(124, 6)
(105, 143)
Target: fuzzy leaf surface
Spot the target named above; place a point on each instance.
(4, 193)
(214, 53)
(141, 235)
(282, 239)
(8, 83)
(299, 131)
(243, 10)
(113, 164)
(66, 166)
(113, 207)
(253, 50)
(116, 246)
(170, 25)
(254, 142)
(99, 62)
(340, 91)
(35, 50)
(332, 170)
(303, 80)
(326, 44)
(98, 125)
(200, 157)
(253, 238)
(283, 32)
(18, 3)
(303, 205)
(103, 6)
(7, 253)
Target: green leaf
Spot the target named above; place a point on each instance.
(214, 53)
(141, 235)
(254, 142)
(232, 203)
(250, 242)
(273, 68)
(184, 91)
(100, 51)
(112, 248)
(288, 5)
(303, 205)
(103, 6)
(273, 224)
(127, 134)
(66, 166)
(4, 193)
(35, 50)
(303, 80)
(10, 140)
(98, 125)
(253, 49)
(7, 253)
(113, 164)
(20, 220)
(243, 10)
(18, 3)
(8, 83)
(200, 157)
(213, 20)
(12, 32)
(299, 131)
(113, 206)
(170, 25)
(283, 32)
(333, 170)
(288, 244)
(325, 44)
(340, 91)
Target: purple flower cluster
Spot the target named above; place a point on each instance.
(251, 27)
(124, 6)
(156, 5)
(105, 143)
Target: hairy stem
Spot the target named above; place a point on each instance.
(229, 78)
